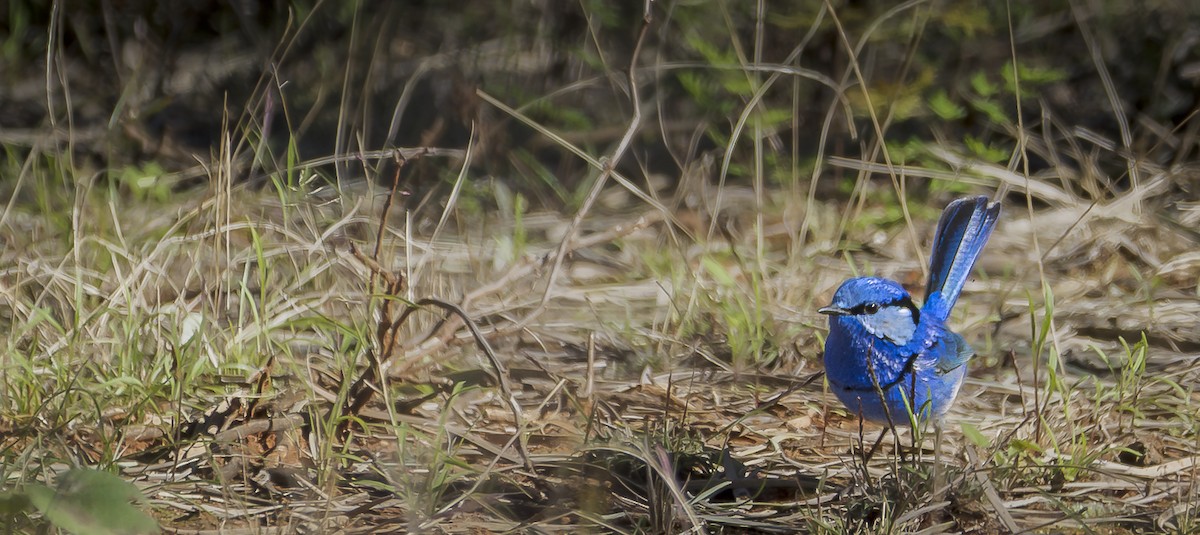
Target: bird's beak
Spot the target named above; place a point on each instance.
(833, 311)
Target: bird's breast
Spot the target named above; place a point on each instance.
(857, 359)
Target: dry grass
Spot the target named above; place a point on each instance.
(275, 359)
(635, 413)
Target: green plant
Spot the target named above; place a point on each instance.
(84, 501)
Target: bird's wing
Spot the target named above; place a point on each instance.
(961, 234)
(952, 352)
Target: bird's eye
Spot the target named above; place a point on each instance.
(871, 308)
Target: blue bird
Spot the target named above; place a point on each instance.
(881, 344)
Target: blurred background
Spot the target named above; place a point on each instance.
(142, 88)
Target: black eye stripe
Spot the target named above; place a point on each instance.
(916, 313)
(871, 308)
(865, 308)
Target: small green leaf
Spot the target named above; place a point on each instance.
(982, 86)
(992, 110)
(975, 436)
(1025, 446)
(92, 502)
(945, 108)
(1029, 76)
(718, 272)
(985, 151)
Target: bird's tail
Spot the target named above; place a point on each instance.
(961, 235)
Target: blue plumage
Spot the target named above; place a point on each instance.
(881, 343)
(961, 234)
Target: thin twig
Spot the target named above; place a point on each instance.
(607, 170)
(501, 372)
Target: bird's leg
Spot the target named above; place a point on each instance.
(865, 457)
